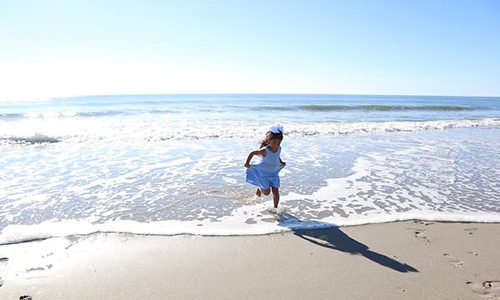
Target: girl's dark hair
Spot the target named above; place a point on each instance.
(271, 136)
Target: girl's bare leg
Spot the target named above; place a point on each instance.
(276, 196)
(258, 193)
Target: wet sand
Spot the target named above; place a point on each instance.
(402, 260)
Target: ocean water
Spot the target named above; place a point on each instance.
(173, 164)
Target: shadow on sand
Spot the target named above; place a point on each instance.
(332, 237)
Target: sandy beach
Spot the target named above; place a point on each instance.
(402, 260)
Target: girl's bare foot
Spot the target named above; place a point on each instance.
(258, 193)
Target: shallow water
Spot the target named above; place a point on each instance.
(150, 173)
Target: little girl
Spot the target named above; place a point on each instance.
(265, 174)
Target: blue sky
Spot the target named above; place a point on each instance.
(425, 47)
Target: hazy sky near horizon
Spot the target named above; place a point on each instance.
(77, 47)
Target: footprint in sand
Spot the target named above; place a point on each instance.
(489, 288)
(456, 263)
(471, 231)
(420, 234)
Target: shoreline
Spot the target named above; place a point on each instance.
(397, 260)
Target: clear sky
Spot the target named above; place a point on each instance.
(403, 47)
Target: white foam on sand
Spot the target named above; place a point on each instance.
(249, 220)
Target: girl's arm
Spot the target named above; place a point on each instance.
(252, 154)
(282, 162)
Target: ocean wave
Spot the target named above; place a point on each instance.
(386, 107)
(340, 128)
(17, 234)
(88, 114)
(368, 108)
(98, 132)
(35, 139)
(305, 129)
(297, 108)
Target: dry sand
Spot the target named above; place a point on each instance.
(404, 260)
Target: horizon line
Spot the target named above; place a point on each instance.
(35, 98)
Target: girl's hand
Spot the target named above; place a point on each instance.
(283, 163)
(247, 165)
